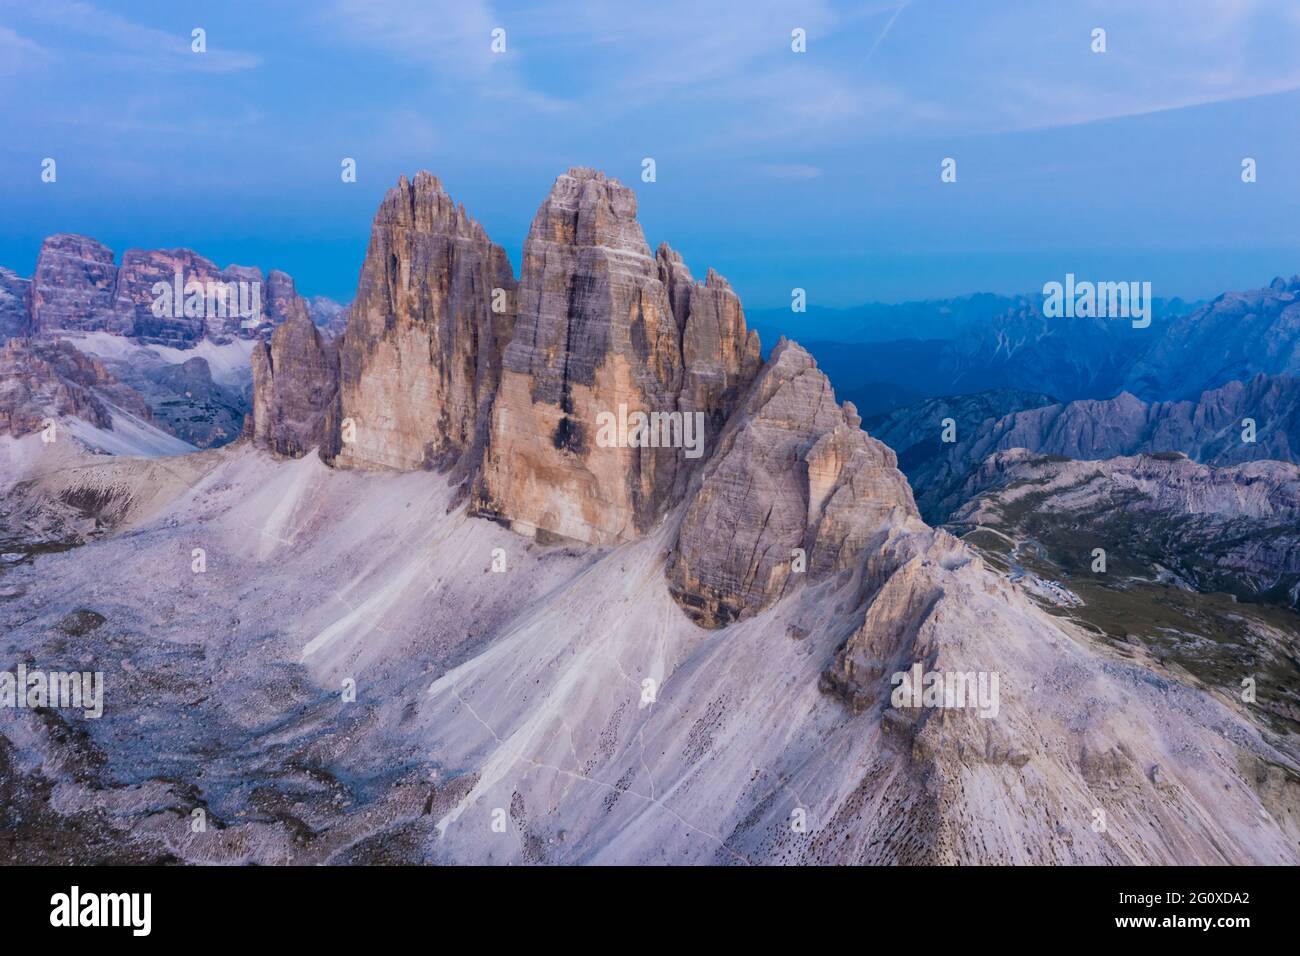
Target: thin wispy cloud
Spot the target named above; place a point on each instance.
(885, 32)
(93, 35)
(450, 39)
(1159, 56)
(18, 52)
(789, 171)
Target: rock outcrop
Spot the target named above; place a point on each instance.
(794, 487)
(74, 286)
(295, 390)
(904, 580)
(52, 380)
(606, 332)
(15, 306)
(421, 357)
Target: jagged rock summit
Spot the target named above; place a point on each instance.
(421, 356)
(446, 363)
(605, 328)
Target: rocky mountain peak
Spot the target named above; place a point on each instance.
(605, 331)
(421, 356)
(422, 205)
(587, 208)
(74, 285)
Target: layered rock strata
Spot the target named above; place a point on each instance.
(78, 288)
(607, 333)
(421, 357)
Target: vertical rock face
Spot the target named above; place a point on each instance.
(233, 301)
(295, 389)
(793, 471)
(421, 357)
(600, 335)
(719, 355)
(74, 286)
(15, 308)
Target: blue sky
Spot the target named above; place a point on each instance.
(818, 170)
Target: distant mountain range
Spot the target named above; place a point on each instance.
(191, 369)
(1019, 348)
(881, 322)
(1211, 429)
(1233, 338)
(889, 356)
